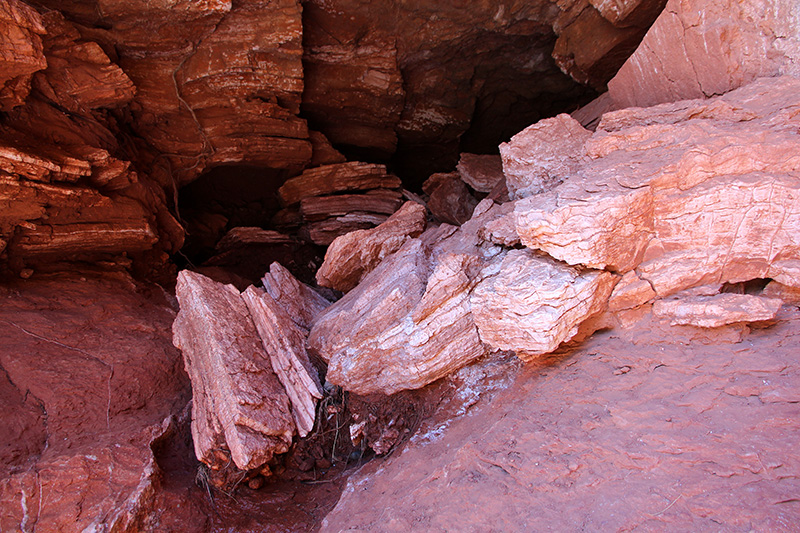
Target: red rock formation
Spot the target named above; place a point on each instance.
(90, 384)
(702, 48)
(22, 51)
(422, 76)
(692, 193)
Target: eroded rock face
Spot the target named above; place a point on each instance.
(691, 193)
(701, 48)
(531, 304)
(90, 383)
(240, 410)
(415, 77)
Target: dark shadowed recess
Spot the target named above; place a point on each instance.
(233, 196)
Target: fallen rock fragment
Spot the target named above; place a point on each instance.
(239, 404)
(718, 310)
(336, 178)
(531, 304)
(300, 301)
(408, 322)
(354, 255)
(450, 200)
(631, 291)
(285, 343)
(543, 155)
(481, 172)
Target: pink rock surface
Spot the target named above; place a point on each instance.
(352, 256)
(285, 344)
(531, 304)
(702, 48)
(300, 301)
(717, 310)
(691, 193)
(543, 155)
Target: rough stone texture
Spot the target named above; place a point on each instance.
(717, 310)
(648, 431)
(354, 255)
(409, 322)
(449, 199)
(21, 51)
(787, 294)
(631, 291)
(244, 236)
(79, 75)
(615, 28)
(702, 48)
(531, 304)
(300, 301)
(285, 343)
(69, 189)
(216, 82)
(88, 384)
(376, 201)
(692, 193)
(481, 172)
(239, 407)
(543, 155)
(329, 179)
(322, 153)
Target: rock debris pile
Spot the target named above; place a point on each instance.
(675, 208)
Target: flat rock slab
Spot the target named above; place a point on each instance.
(239, 404)
(717, 310)
(285, 343)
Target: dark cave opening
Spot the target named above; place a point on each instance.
(238, 196)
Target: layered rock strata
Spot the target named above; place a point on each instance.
(331, 200)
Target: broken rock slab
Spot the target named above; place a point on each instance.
(300, 301)
(354, 255)
(285, 343)
(408, 323)
(481, 172)
(717, 310)
(336, 178)
(543, 155)
(450, 201)
(239, 405)
(692, 193)
(530, 303)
